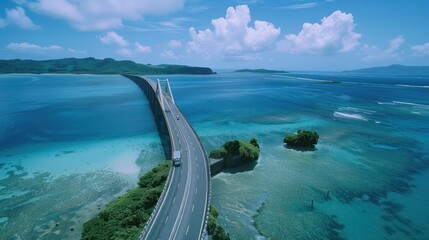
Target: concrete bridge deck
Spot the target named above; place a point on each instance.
(181, 212)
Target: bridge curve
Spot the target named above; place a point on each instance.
(182, 209)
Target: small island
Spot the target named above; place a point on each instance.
(234, 154)
(261, 70)
(302, 139)
(95, 66)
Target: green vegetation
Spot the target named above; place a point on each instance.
(247, 151)
(218, 153)
(217, 232)
(211, 223)
(126, 217)
(254, 142)
(95, 66)
(261, 70)
(303, 138)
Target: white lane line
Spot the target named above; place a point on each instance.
(169, 186)
(197, 176)
(175, 228)
(178, 185)
(166, 220)
(174, 199)
(187, 229)
(194, 149)
(184, 202)
(193, 206)
(196, 190)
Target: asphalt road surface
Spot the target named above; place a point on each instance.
(182, 213)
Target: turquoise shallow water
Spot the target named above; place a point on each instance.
(372, 154)
(68, 146)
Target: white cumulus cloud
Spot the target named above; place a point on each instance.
(421, 50)
(113, 38)
(142, 48)
(90, 15)
(122, 45)
(62, 9)
(395, 43)
(232, 36)
(175, 43)
(76, 52)
(335, 34)
(30, 50)
(169, 54)
(375, 53)
(24, 46)
(16, 16)
(302, 6)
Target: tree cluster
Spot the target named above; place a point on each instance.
(247, 151)
(126, 217)
(303, 138)
(217, 232)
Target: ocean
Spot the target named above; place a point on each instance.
(69, 144)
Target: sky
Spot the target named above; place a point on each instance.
(319, 35)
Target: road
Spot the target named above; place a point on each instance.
(183, 211)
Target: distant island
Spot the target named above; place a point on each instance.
(261, 70)
(394, 69)
(95, 66)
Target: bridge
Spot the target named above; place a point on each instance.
(182, 209)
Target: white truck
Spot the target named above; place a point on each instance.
(177, 158)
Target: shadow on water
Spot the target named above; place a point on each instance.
(164, 136)
(301, 149)
(157, 113)
(243, 168)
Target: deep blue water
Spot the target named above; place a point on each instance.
(69, 108)
(372, 154)
(68, 145)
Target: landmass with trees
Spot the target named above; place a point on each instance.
(236, 153)
(216, 231)
(95, 66)
(126, 217)
(302, 138)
